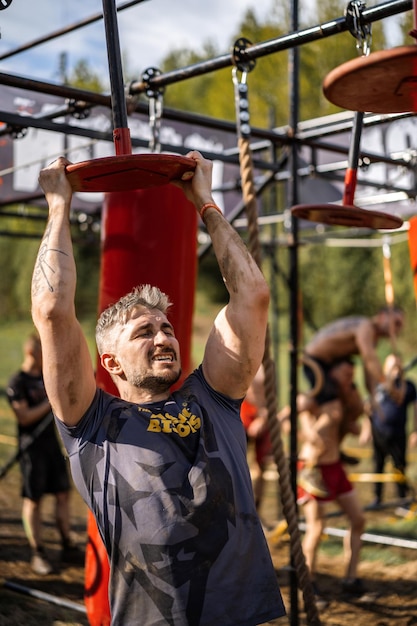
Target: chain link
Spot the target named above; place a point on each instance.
(155, 96)
(244, 66)
(361, 31)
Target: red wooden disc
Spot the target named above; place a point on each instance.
(338, 215)
(129, 171)
(382, 82)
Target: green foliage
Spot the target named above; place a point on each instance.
(83, 77)
(17, 254)
(403, 529)
(320, 57)
(210, 281)
(212, 94)
(340, 281)
(333, 281)
(336, 282)
(87, 257)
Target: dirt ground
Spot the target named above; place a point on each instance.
(392, 599)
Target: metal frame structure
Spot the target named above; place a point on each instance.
(309, 134)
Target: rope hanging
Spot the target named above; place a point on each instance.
(286, 492)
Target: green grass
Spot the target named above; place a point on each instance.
(333, 547)
(405, 529)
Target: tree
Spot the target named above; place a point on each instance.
(84, 77)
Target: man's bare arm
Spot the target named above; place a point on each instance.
(67, 367)
(235, 346)
(237, 341)
(365, 339)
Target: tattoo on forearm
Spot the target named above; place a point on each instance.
(42, 265)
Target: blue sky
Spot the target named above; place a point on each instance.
(148, 31)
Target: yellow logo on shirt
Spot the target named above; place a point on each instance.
(183, 424)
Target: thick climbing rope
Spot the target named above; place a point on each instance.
(286, 492)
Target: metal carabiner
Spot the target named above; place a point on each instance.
(357, 27)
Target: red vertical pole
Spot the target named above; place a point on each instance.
(412, 246)
(148, 236)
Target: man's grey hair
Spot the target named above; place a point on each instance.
(144, 295)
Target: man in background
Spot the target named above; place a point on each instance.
(42, 463)
(388, 424)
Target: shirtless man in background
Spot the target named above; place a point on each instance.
(320, 430)
(327, 414)
(356, 335)
(338, 342)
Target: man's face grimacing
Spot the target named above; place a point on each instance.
(148, 351)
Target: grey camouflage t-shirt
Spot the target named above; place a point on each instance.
(170, 489)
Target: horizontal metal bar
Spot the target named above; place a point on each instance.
(42, 595)
(64, 31)
(53, 89)
(398, 542)
(271, 46)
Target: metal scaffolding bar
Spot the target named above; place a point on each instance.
(64, 31)
(271, 46)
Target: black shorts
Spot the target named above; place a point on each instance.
(329, 390)
(44, 470)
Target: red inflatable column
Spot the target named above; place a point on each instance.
(412, 246)
(148, 236)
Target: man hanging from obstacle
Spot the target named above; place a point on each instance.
(338, 342)
(355, 335)
(164, 473)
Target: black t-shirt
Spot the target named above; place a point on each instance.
(391, 418)
(24, 386)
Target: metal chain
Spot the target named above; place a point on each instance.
(155, 114)
(244, 66)
(241, 103)
(361, 31)
(155, 96)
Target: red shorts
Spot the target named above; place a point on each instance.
(334, 478)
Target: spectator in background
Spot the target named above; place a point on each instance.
(388, 424)
(42, 463)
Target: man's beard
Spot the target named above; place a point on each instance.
(154, 383)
